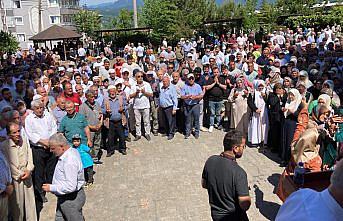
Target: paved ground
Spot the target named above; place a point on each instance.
(160, 180)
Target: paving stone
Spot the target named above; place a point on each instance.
(160, 181)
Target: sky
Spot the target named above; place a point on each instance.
(94, 2)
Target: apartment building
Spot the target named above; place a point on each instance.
(21, 17)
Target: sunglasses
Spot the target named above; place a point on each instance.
(139, 76)
(170, 67)
(191, 78)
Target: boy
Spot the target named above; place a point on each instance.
(86, 159)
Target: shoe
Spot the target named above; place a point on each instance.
(196, 136)
(170, 137)
(210, 130)
(155, 133)
(147, 137)
(220, 127)
(123, 152)
(283, 164)
(98, 162)
(137, 138)
(109, 154)
(203, 129)
(186, 137)
(128, 139)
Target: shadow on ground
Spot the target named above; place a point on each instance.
(267, 209)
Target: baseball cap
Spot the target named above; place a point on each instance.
(124, 70)
(190, 75)
(76, 137)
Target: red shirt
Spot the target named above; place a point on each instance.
(75, 98)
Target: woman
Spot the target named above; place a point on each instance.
(295, 123)
(307, 96)
(258, 125)
(275, 102)
(287, 84)
(335, 98)
(239, 118)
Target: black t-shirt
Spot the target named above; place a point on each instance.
(225, 181)
(216, 93)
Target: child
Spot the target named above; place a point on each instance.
(86, 159)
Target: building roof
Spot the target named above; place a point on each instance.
(55, 32)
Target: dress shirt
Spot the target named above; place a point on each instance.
(168, 97)
(310, 205)
(5, 175)
(141, 101)
(40, 127)
(58, 114)
(195, 89)
(68, 176)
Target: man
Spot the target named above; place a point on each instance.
(307, 204)
(141, 92)
(140, 53)
(7, 99)
(191, 94)
(93, 113)
(71, 96)
(19, 91)
(130, 65)
(215, 90)
(113, 77)
(59, 111)
(68, 180)
(226, 182)
(179, 84)
(155, 86)
(39, 126)
(80, 92)
(6, 187)
(114, 107)
(75, 123)
(168, 103)
(81, 53)
(49, 101)
(104, 70)
(19, 156)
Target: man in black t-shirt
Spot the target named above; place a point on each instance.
(215, 91)
(226, 182)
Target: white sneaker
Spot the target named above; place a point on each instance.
(203, 129)
(210, 130)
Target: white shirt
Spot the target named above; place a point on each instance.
(310, 205)
(68, 176)
(140, 51)
(81, 52)
(103, 73)
(141, 101)
(40, 128)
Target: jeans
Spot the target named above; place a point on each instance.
(145, 113)
(192, 111)
(215, 108)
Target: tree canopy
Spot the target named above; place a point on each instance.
(8, 43)
(87, 22)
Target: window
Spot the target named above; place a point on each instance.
(55, 19)
(67, 18)
(53, 3)
(21, 37)
(19, 20)
(10, 22)
(16, 4)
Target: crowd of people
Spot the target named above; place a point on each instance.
(284, 94)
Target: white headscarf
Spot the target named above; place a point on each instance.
(292, 106)
(258, 99)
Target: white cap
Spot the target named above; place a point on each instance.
(37, 97)
(190, 75)
(189, 55)
(111, 87)
(119, 81)
(61, 68)
(111, 71)
(70, 69)
(76, 70)
(124, 70)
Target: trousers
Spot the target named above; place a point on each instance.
(69, 207)
(170, 119)
(215, 109)
(192, 111)
(116, 132)
(145, 113)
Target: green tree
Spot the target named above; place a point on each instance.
(87, 22)
(299, 7)
(249, 16)
(8, 43)
(123, 20)
(268, 15)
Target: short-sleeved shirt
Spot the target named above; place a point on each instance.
(141, 101)
(225, 181)
(91, 112)
(195, 89)
(216, 93)
(71, 125)
(75, 98)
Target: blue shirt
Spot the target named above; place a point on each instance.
(168, 97)
(114, 106)
(86, 158)
(5, 175)
(195, 89)
(58, 114)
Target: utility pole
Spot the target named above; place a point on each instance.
(39, 16)
(135, 23)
